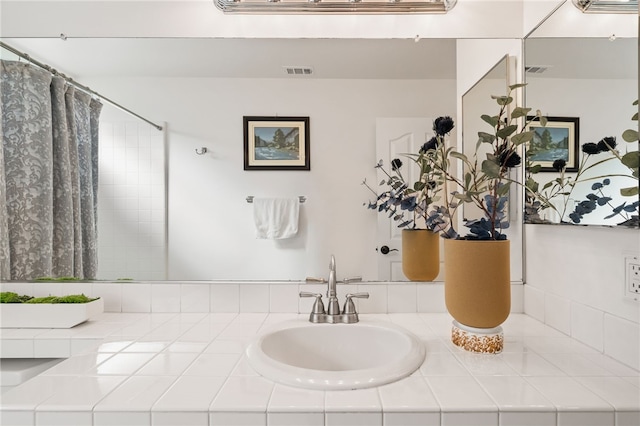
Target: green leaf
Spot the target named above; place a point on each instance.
(465, 198)
(543, 121)
(520, 112)
(467, 179)
(502, 100)
(517, 86)
(419, 186)
(630, 135)
(504, 189)
(506, 131)
(531, 185)
(535, 169)
(486, 137)
(491, 169)
(459, 156)
(629, 192)
(521, 138)
(492, 120)
(631, 159)
(547, 185)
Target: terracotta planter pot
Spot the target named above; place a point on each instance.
(477, 287)
(420, 254)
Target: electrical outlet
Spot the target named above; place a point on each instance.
(632, 277)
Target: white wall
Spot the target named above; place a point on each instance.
(211, 231)
(575, 283)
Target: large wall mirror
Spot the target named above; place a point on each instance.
(167, 213)
(584, 76)
(476, 102)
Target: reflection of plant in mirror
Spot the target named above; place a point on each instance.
(11, 297)
(561, 188)
(556, 194)
(631, 159)
(419, 197)
(486, 185)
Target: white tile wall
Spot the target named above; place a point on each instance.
(611, 335)
(430, 298)
(528, 418)
(622, 340)
(282, 298)
(587, 325)
(255, 298)
(65, 418)
(557, 312)
(534, 302)
(121, 419)
(234, 297)
(131, 208)
(225, 298)
(195, 298)
(136, 297)
(402, 298)
(165, 298)
(295, 419)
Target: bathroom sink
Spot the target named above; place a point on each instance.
(335, 356)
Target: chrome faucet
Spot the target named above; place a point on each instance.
(334, 305)
(333, 314)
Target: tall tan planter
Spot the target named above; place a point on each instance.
(420, 254)
(477, 288)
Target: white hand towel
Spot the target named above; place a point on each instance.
(276, 218)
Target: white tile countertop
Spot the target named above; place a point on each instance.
(190, 369)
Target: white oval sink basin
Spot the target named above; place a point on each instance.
(336, 356)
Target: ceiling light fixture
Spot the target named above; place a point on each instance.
(266, 7)
(607, 6)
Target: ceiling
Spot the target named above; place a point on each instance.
(244, 58)
(329, 58)
(586, 58)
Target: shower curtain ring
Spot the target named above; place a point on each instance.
(202, 151)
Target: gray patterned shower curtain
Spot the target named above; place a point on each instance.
(48, 176)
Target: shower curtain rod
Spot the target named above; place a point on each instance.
(75, 83)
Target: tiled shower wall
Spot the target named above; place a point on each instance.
(131, 208)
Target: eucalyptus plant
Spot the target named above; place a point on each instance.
(485, 182)
(413, 204)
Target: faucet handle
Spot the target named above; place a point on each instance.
(351, 280)
(318, 306)
(362, 295)
(349, 307)
(315, 280)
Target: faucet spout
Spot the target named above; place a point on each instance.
(331, 289)
(334, 306)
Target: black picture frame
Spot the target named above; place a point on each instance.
(559, 139)
(276, 143)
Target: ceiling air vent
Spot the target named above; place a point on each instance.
(536, 69)
(298, 70)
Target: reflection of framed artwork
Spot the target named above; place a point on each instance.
(276, 143)
(557, 140)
